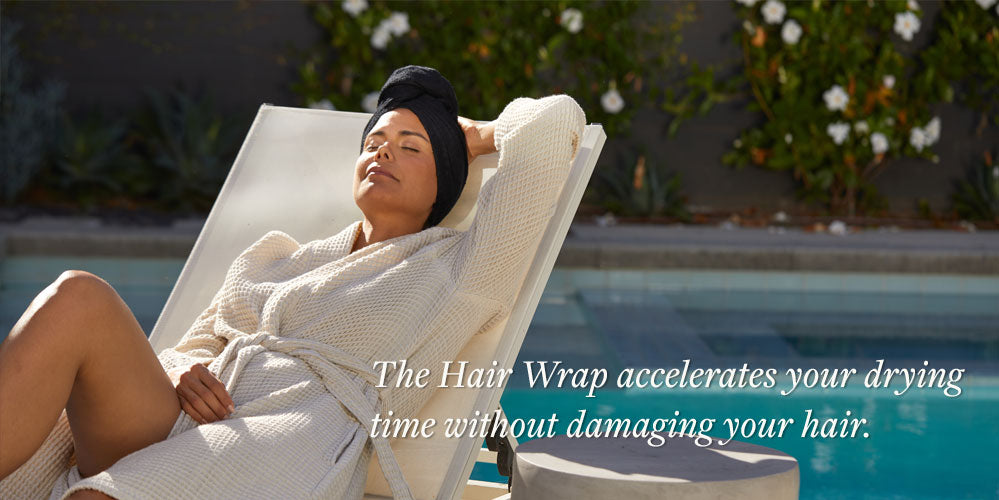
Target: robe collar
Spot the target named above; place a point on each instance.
(344, 241)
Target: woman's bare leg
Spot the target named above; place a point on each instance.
(89, 495)
(79, 347)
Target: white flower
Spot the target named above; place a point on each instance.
(906, 24)
(838, 131)
(926, 136)
(917, 137)
(747, 3)
(791, 32)
(932, 130)
(888, 81)
(912, 5)
(605, 220)
(572, 19)
(398, 23)
(787, 138)
(861, 127)
(995, 172)
(737, 143)
(879, 143)
(323, 104)
(836, 98)
(748, 26)
(837, 228)
(380, 37)
(985, 4)
(370, 102)
(773, 11)
(355, 7)
(612, 101)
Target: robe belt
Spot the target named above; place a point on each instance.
(331, 364)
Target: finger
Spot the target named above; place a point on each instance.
(191, 411)
(218, 389)
(218, 409)
(199, 396)
(197, 399)
(205, 415)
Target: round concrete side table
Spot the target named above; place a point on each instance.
(628, 468)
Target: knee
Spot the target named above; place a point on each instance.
(74, 279)
(79, 291)
(75, 284)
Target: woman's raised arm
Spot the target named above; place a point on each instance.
(537, 140)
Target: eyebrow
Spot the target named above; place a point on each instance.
(404, 132)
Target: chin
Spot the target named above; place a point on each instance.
(376, 200)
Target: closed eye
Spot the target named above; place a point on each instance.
(373, 148)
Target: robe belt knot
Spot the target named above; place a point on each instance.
(340, 372)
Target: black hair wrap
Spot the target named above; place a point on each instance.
(430, 96)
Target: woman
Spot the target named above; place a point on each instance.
(271, 392)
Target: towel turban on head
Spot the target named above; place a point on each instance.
(429, 95)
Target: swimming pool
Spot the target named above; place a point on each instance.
(922, 444)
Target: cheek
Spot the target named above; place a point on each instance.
(430, 184)
(359, 168)
(360, 164)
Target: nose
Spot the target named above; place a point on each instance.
(383, 151)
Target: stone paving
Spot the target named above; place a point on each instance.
(590, 245)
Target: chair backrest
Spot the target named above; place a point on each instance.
(294, 173)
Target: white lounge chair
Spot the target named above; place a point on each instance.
(294, 173)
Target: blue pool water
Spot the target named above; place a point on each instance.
(921, 445)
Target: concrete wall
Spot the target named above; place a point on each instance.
(246, 53)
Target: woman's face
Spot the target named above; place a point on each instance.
(395, 175)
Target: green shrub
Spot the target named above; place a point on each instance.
(28, 119)
(191, 147)
(962, 63)
(89, 158)
(837, 94)
(636, 186)
(977, 196)
(607, 55)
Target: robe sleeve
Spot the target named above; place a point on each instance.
(275, 251)
(537, 140)
(199, 344)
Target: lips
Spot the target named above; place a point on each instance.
(378, 170)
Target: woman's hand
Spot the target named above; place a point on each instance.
(479, 137)
(201, 395)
